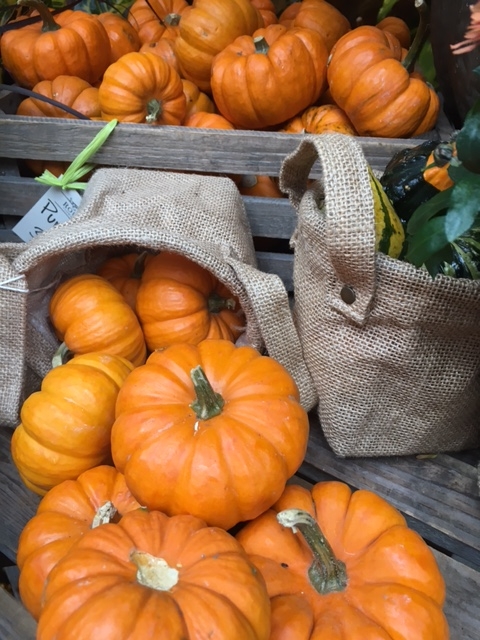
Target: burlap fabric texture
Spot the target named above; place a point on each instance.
(124, 210)
(394, 354)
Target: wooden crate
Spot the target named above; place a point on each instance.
(438, 496)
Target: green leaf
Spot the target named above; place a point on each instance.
(428, 210)
(468, 140)
(429, 240)
(385, 9)
(464, 207)
(426, 65)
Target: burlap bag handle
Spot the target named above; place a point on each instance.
(269, 301)
(348, 211)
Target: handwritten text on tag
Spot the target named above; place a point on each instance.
(55, 206)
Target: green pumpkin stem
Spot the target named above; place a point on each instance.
(326, 574)
(261, 45)
(154, 110)
(216, 303)
(208, 403)
(61, 355)
(420, 36)
(49, 23)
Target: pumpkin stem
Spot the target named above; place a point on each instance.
(104, 514)
(154, 110)
(49, 23)
(154, 572)
(208, 403)
(216, 303)
(172, 20)
(326, 574)
(261, 45)
(61, 355)
(139, 266)
(420, 35)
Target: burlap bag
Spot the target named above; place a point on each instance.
(124, 210)
(394, 354)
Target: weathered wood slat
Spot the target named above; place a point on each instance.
(15, 622)
(165, 147)
(439, 496)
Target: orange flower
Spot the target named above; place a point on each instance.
(472, 36)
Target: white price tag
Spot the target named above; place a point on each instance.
(55, 206)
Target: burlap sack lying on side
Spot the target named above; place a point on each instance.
(125, 210)
(398, 369)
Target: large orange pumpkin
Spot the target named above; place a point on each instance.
(256, 81)
(207, 28)
(213, 430)
(65, 426)
(180, 301)
(73, 43)
(151, 576)
(318, 15)
(368, 81)
(71, 91)
(63, 516)
(142, 87)
(340, 564)
(89, 314)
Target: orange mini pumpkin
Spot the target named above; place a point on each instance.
(142, 87)
(123, 37)
(214, 430)
(207, 120)
(63, 516)
(267, 11)
(89, 314)
(65, 427)
(196, 100)
(342, 564)
(398, 27)
(73, 43)
(156, 19)
(125, 273)
(255, 80)
(368, 80)
(260, 186)
(318, 15)
(321, 119)
(163, 48)
(151, 576)
(71, 91)
(207, 28)
(180, 301)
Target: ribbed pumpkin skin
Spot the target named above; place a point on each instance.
(398, 27)
(81, 47)
(321, 119)
(94, 591)
(256, 90)
(163, 48)
(70, 91)
(207, 120)
(174, 303)
(89, 314)
(208, 27)
(125, 274)
(395, 589)
(134, 86)
(63, 516)
(227, 468)
(123, 37)
(368, 81)
(153, 19)
(318, 15)
(65, 427)
(196, 100)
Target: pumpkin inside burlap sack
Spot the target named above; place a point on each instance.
(394, 354)
(126, 210)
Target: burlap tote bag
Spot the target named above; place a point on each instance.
(123, 210)
(394, 354)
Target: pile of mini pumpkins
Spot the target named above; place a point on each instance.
(224, 64)
(163, 450)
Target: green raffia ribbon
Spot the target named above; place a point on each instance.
(79, 167)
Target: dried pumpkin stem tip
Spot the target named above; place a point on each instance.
(61, 356)
(216, 303)
(326, 574)
(208, 403)
(154, 572)
(420, 35)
